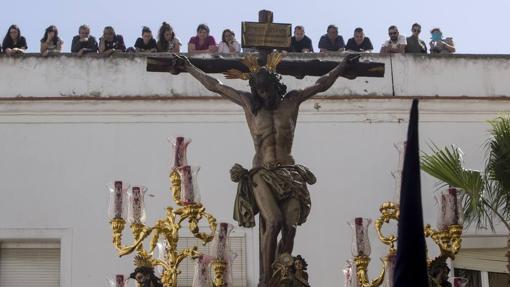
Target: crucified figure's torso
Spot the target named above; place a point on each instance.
(272, 129)
(273, 133)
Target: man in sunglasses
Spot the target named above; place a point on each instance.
(414, 43)
(396, 44)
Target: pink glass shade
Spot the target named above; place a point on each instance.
(189, 184)
(220, 249)
(349, 271)
(450, 209)
(136, 208)
(202, 274)
(360, 241)
(389, 270)
(221, 243)
(119, 281)
(117, 206)
(180, 146)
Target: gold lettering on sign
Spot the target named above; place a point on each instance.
(266, 35)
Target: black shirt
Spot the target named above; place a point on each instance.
(117, 44)
(415, 45)
(142, 46)
(20, 44)
(298, 46)
(90, 46)
(365, 45)
(325, 43)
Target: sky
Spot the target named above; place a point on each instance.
(477, 27)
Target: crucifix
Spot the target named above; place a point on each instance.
(275, 186)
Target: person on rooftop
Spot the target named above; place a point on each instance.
(414, 43)
(202, 42)
(229, 44)
(359, 43)
(300, 43)
(146, 43)
(396, 44)
(14, 43)
(331, 41)
(438, 45)
(167, 42)
(84, 43)
(51, 42)
(111, 42)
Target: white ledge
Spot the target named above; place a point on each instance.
(68, 76)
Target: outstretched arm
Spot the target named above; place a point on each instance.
(210, 83)
(326, 81)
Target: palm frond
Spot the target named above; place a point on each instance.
(446, 165)
(498, 164)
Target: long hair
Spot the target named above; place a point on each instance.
(50, 29)
(223, 38)
(148, 272)
(7, 39)
(271, 81)
(162, 42)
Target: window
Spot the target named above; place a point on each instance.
(29, 264)
(482, 267)
(239, 268)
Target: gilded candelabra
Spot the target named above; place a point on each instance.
(168, 229)
(389, 211)
(447, 238)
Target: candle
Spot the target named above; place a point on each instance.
(118, 199)
(117, 203)
(202, 274)
(137, 210)
(360, 241)
(220, 247)
(189, 185)
(180, 146)
(347, 271)
(119, 280)
(450, 209)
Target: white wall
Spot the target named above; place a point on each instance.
(57, 156)
(67, 76)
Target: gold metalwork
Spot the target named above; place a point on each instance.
(389, 211)
(449, 242)
(251, 62)
(219, 267)
(361, 263)
(167, 228)
(273, 59)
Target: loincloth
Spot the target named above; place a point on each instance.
(285, 182)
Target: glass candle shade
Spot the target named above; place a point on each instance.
(202, 274)
(117, 206)
(360, 241)
(189, 185)
(450, 209)
(180, 146)
(118, 281)
(136, 210)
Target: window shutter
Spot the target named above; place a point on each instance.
(24, 264)
(489, 260)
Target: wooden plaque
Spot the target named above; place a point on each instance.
(265, 35)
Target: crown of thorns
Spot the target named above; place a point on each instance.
(250, 61)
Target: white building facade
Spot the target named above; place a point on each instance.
(69, 126)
